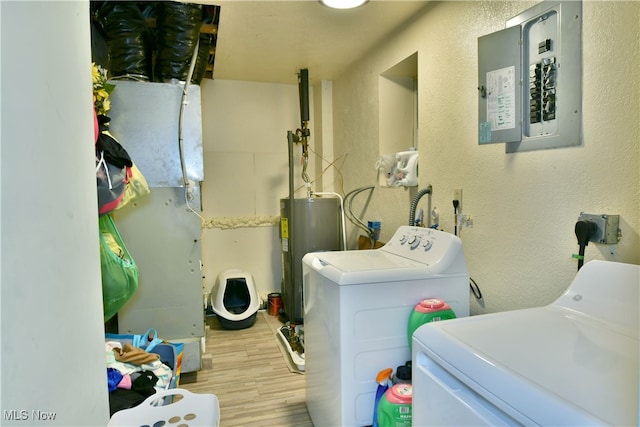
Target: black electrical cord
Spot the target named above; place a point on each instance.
(475, 289)
(584, 231)
(456, 203)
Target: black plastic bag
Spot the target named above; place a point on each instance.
(114, 152)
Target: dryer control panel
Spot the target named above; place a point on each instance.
(424, 245)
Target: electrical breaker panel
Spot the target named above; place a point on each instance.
(548, 99)
(499, 77)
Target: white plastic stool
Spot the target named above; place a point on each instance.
(191, 410)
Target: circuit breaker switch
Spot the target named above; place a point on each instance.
(544, 46)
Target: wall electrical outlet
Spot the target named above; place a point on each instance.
(607, 227)
(457, 195)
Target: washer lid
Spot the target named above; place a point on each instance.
(547, 364)
(350, 261)
(367, 266)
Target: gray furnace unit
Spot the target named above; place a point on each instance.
(161, 230)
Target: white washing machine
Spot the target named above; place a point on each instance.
(573, 362)
(356, 310)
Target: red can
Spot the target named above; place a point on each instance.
(274, 301)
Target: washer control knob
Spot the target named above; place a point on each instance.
(414, 242)
(403, 239)
(427, 245)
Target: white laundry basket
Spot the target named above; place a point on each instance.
(190, 410)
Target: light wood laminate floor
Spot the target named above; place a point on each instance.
(247, 371)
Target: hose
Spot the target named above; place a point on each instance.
(414, 204)
(354, 219)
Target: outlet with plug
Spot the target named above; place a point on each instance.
(606, 227)
(457, 195)
(462, 220)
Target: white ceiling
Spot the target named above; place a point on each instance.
(270, 41)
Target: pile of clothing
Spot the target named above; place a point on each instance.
(133, 374)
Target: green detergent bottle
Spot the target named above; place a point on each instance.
(428, 310)
(394, 409)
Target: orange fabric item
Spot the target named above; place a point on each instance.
(136, 356)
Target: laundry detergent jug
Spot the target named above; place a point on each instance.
(394, 409)
(428, 310)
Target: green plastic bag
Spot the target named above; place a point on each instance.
(119, 270)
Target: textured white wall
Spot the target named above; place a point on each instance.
(246, 159)
(524, 205)
(52, 324)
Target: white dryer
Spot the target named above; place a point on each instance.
(573, 362)
(357, 306)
